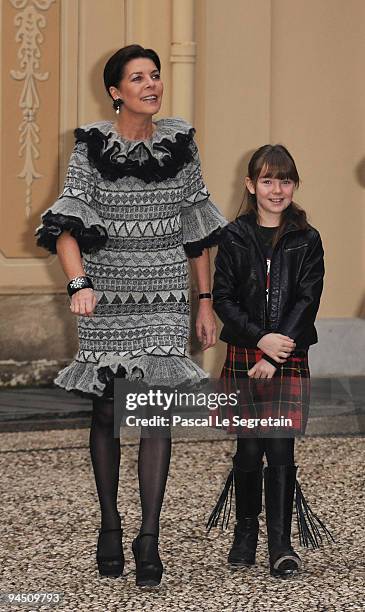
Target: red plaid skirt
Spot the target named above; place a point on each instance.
(266, 407)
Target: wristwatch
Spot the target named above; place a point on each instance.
(203, 296)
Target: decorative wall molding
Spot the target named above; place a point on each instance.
(30, 23)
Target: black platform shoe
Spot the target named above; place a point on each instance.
(149, 568)
(111, 564)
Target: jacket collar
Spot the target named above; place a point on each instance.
(247, 222)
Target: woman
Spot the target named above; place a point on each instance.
(267, 288)
(133, 207)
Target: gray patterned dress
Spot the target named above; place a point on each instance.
(138, 209)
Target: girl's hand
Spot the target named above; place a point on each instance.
(83, 302)
(277, 346)
(262, 369)
(206, 328)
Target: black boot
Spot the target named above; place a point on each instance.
(280, 484)
(248, 491)
(279, 495)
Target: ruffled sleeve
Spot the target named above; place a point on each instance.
(201, 220)
(74, 210)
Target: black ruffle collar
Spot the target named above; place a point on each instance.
(159, 158)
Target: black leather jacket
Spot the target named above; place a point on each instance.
(296, 282)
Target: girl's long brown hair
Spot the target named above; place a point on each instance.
(274, 161)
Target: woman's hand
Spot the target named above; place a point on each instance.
(262, 369)
(277, 346)
(83, 302)
(206, 328)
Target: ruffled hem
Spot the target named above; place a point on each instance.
(202, 224)
(84, 225)
(96, 379)
(156, 159)
(195, 249)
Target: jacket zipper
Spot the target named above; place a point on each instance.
(239, 245)
(297, 247)
(268, 303)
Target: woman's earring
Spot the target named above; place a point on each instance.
(117, 104)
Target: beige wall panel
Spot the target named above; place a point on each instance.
(232, 100)
(232, 92)
(31, 275)
(101, 33)
(29, 122)
(149, 25)
(318, 102)
(125, 22)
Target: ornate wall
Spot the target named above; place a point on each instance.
(245, 73)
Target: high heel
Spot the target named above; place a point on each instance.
(148, 563)
(110, 565)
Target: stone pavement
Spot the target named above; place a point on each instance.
(50, 520)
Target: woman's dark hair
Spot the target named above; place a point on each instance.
(275, 161)
(114, 68)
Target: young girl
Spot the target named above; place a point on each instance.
(267, 288)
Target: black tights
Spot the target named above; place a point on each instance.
(250, 452)
(153, 466)
(105, 457)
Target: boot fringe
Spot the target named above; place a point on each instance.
(309, 524)
(224, 504)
